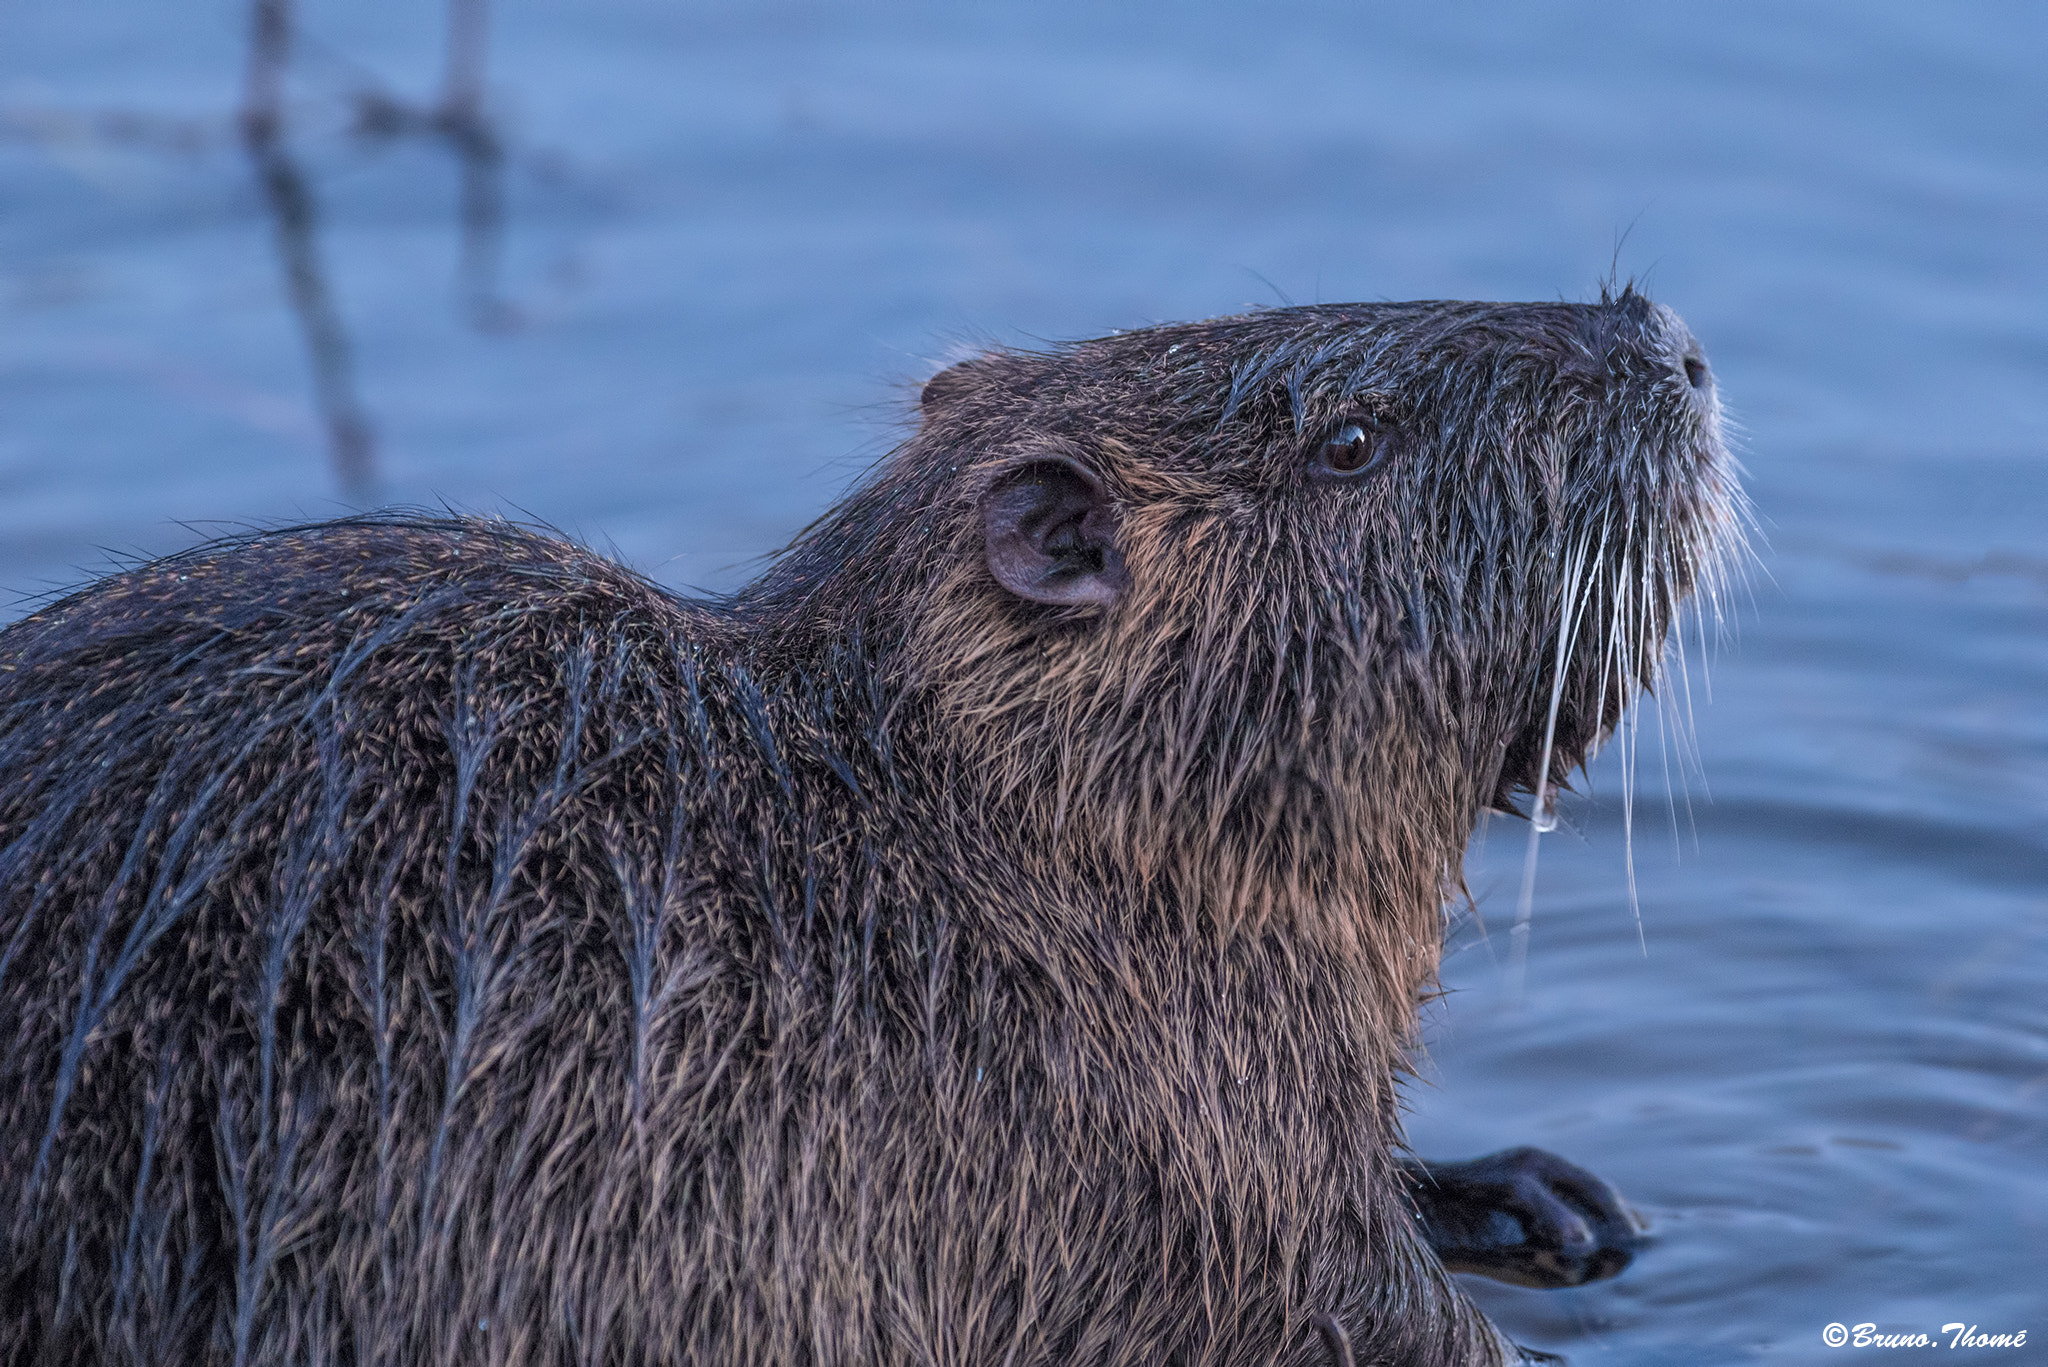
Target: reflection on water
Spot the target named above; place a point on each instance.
(460, 117)
(700, 254)
(297, 223)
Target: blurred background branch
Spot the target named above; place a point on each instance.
(295, 223)
(458, 116)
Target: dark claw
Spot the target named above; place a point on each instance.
(1524, 1216)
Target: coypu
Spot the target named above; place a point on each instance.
(994, 935)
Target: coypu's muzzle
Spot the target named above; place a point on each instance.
(1649, 514)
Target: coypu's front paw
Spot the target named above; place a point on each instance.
(1525, 1216)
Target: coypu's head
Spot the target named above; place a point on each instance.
(1276, 603)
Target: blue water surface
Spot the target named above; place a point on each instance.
(1814, 1046)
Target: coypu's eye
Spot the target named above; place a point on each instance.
(1351, 451)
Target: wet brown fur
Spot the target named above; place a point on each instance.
(424, 940)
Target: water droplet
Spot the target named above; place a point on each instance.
(1545, 816)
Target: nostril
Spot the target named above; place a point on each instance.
(1696, 372)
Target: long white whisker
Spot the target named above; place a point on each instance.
(1543, 813)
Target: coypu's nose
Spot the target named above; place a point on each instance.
(1662, 337)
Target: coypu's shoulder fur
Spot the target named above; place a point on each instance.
(993, 936)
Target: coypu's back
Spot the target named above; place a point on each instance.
(991, 937)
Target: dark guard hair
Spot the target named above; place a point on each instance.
(994, 936)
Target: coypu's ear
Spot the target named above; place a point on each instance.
(951, 383)
(1052, 535)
